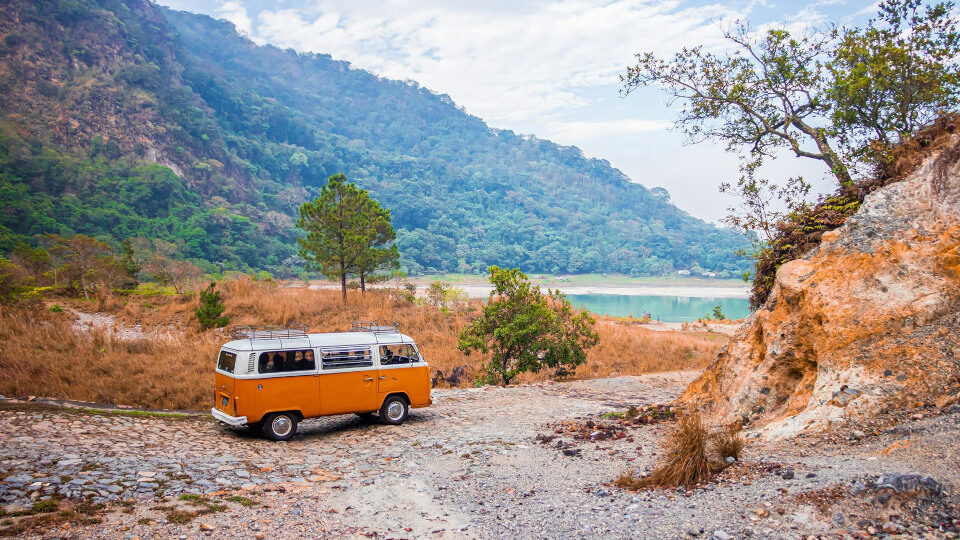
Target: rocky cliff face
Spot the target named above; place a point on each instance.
(868, 323)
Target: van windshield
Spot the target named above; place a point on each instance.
(227, 361)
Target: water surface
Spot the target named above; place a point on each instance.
(664, 308)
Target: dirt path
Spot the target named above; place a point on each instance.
(469, 466)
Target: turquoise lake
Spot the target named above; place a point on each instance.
(664, 308)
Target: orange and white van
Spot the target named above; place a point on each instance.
(272, 378)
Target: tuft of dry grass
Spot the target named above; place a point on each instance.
(691, 455)
(171, 365)
(685, 461)
(728, 443)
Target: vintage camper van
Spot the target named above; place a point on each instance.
(272, 378)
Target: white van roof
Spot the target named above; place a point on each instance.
(317, 340)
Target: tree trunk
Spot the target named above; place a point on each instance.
(343, 285)
(827, 154)
(363, 286)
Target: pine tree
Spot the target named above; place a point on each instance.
(348, 233)
(210, 310)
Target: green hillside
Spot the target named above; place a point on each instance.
(122, 119)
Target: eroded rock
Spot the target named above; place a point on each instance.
(880, 295)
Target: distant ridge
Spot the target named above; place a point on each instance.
(121, 118)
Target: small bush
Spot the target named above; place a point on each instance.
(56, 308)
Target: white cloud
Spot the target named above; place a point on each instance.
(237, 14)
(504, 65)
(582, 131)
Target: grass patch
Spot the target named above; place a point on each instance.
(145, 521)
(190, 497)
(181, 517)
(55, 361)
(611, 415)
(48, 505)
(242, 500)
(43, 516)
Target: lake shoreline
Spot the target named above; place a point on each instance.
(476, 290)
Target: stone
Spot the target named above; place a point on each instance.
(720, 535)
(857, 434)
(730, 460)
(206, 527)
(694, 531)
(909, 483)
(880, 290)
(787, 475)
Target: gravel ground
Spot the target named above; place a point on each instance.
(468, 466)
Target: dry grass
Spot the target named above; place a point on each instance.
(729, 443)
(685, 461)
(41, 353)
(691, 455)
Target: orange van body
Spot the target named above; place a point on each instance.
(244, 398)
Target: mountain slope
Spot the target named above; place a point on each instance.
(122, 118)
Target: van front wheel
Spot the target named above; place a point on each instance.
(280, 426)
(394, 410)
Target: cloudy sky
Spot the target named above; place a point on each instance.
(545, 67)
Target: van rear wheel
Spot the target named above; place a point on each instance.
(394, 410)
(280, 426)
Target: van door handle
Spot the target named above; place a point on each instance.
(382, 377)
(368, 379)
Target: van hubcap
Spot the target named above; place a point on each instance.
(281, 425)
(395, 411)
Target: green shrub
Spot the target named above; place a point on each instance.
(210, 310)
(56, 308)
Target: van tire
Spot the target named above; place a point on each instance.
(280, 426)
(394, 410)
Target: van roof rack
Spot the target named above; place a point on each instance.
(377, 326)
(291, 330)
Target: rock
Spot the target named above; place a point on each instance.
(879, 291)
(730, 460)
(889, 527)
(206, 527)
(720, 535)
(694, 531)
(909, 483)
(857, 434)
(787, 475)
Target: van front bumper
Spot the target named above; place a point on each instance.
(227, 419)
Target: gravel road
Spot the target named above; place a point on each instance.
(468, 466)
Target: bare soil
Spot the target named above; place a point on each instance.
(485, 462)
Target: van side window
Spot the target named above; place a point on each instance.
(227, 361)
(284, 361)
(346, 357)
(392, 355)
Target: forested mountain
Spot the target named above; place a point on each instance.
(121, 119)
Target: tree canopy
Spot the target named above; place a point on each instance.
(525, 330)
(825, 94)
(348, 233)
